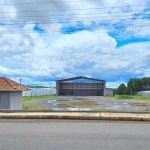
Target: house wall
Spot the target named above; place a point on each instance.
(108, 92)
(4, 100)
(11, 100)
(16, 100)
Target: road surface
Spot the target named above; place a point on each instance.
(73, 135)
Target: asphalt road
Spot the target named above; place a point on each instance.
(73, 135)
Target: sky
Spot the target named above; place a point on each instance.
(45, 40)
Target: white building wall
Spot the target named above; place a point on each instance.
(4, 100)
(16, 100)
(144, 93)
(108, 92)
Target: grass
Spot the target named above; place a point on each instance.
(138, 104)
(105, 110)
(125, 97)
(28, 106)
(29, 98)
(63, 105)
(134, 97)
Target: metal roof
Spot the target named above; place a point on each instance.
(80, 77)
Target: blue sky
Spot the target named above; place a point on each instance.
(42, 41)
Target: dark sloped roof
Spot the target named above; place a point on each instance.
(81, 77)
(7, 84)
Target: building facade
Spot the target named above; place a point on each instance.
(11, 94)
(80, 86)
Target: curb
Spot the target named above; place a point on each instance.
(77, 116)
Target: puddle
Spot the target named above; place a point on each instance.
(55, 104)
(115, 103)
(57, 109)
(51, 101)
(125, 103)
(79, 109)
(113, 107)
(98, 104)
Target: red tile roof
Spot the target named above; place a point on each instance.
(7, 84)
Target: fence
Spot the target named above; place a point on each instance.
(38, 92)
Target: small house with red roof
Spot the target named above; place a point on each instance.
(11, 94)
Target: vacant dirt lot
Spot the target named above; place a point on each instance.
(92, 103)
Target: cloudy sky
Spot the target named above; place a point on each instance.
(45, 40)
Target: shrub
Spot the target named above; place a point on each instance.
(125, 97)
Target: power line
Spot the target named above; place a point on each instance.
(56, 29)
(73, 9)
(92, 17)
(73, 20)
(49, 2)
(136, 11)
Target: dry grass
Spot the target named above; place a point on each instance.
(28, 106)
(62, 100)
(105, 110)
(83, 103)
(138, 104)
(63, 105)
(78, 104)
(80, 99)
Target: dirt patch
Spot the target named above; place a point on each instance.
(80, 99)
(83, 103)
(63, 100)
(78, 104)
(63, 105)
(138, 104)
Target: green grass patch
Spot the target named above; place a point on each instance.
(108, 96)
(141, 97)
(28, 106)
(125, 97)
(132, 97)
(29, 98)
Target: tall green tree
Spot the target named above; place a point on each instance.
(121, 90)
(131, 86)
(145, 83)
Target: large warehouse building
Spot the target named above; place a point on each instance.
(82, 86)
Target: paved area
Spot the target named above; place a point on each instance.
(73, 135)
(103, 104)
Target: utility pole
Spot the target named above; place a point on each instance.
(20, 80)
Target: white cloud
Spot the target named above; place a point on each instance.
(53, 54)
(84, 53)
(114, 84)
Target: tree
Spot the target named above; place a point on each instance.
(145, 83)
(121, 90)
(131, 86)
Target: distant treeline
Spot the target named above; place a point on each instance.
(34, 86)
(134, 85)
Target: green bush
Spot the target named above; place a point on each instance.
(125, 97)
